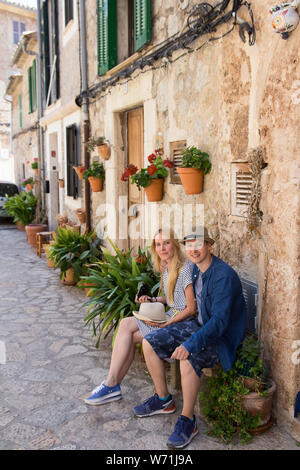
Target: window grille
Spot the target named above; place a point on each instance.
(241, 184)
(176, 157)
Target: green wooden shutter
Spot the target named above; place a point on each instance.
(107, 35)
(20, 111)
(142, 23)
(30, 89)
(34, 89)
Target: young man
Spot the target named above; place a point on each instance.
(222, 322)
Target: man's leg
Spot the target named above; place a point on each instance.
(190, 384)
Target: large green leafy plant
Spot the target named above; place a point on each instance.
(223, 399)
(192, 157)
(73, 250)
(21, 207)
(116, 280)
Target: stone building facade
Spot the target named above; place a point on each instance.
(14, 20)
(22, 87)
(238, 103)
(235, 101)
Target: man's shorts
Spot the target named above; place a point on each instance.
(165, 340)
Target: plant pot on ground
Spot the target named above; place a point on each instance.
(195, 164)
(150, 178)
(32, 230)
(232, 410)
(95, 175)
(46, 248)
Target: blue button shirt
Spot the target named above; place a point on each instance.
(223, 311)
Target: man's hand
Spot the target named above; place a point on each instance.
(180, 353)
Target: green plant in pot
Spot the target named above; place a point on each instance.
(22, 207)
(28, 183)
(233, 410)
(150, 178)
(70, 252)
(195, 164)
(102, 146)
(116, 279)
(95, 175)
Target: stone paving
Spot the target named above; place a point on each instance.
(52, 364)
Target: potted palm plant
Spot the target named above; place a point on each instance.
(96, 175)
(150, 178)
(69, 253)
(195, 164)
(22, 208)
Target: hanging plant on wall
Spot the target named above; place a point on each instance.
(96, 175)
(195, 164)
(150, 178)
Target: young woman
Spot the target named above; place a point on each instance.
(176, 282)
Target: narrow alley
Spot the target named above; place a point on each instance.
(52, 364)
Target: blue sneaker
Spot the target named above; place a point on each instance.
(154, 406)
(104, 394)
(185, 430)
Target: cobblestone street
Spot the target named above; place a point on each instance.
(52, 364)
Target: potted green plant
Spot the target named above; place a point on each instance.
(232, 409)
(96, 175)
(28, 183)
(102, 146)
(69, 253)
(195, 164)
(35, 166)
(22, 208)
(116, 279)
(150, 178)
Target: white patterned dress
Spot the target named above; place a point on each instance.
(179, 304)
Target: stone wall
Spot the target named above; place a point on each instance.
(227, 98)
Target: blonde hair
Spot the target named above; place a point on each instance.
(176, 264)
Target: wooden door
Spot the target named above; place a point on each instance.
(135, 148)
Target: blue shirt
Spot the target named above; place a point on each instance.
(223, 311)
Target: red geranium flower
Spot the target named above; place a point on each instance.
(151, 158)
(152, 169)
(167, 163)
(123, 177)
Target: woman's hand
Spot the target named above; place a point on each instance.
(142, 299)
(152, 323)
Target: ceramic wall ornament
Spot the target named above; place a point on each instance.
(285, 18)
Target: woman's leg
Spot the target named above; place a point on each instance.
(156, 368)
(127, 338)
(190, 384)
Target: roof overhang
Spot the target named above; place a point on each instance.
(13, 81)
(28, 40)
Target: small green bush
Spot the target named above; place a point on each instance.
(22, 207)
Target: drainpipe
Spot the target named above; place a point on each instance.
(40, 106)
(85, 107)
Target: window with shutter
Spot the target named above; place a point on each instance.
(73, 186)
(176, 157)
(142, 23)
(20, 111)
(69, 14)
(107, 35)
(241, 183)
(30, 89)
(51, 48)
(34, 87)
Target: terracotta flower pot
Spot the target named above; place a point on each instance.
(104, 151)
(256, 404)
(154, 191)
(96, 184)
(69, 278)
(79, 170)
(191, 179)
(20, 226)
(81, 215)
(29, 187)
(61, 183)
(36, 171)
(32, 230)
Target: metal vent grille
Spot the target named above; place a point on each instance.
(176, 157)
(241, 183)
(250, 291)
